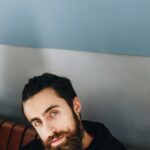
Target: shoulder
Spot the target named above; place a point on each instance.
(103, 139)
(33, 145)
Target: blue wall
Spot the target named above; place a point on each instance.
(110, 26)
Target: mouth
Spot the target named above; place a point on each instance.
(57, 141)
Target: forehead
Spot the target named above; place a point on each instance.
(38, 103)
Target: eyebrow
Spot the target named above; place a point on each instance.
(48, 109)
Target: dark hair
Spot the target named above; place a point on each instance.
(61, 85)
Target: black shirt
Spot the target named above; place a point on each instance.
(103, 140)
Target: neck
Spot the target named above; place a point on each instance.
(87, 139)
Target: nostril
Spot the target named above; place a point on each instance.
(52, 132)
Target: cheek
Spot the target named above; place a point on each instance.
(42, 134)
(67, 123)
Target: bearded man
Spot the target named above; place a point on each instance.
(51, 105)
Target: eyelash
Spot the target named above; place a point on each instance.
(53, 113)
(37, 123)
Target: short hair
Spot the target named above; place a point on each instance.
(61, 85)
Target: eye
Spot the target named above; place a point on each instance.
(37, 123)
(53, 113)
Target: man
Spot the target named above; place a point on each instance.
(51, 105)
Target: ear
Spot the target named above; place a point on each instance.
(77, 105)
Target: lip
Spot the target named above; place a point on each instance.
(57, 141)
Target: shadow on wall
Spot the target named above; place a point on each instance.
(136, 147)
(20, 27)
(17, 63)
(17, 67)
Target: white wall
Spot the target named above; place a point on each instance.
(114, 89)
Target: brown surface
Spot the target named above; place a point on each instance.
(5, 132)
(13, 136)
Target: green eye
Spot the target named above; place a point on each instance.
(53, 114)
(37, 123)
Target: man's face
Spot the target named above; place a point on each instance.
(56, 123)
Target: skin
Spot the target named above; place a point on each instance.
(48, 113)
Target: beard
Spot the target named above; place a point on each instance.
(73, 141)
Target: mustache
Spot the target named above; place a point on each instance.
(73, 140)
(69, 145)
(55, 135)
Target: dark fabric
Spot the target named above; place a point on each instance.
(34, 145)
(103, 140)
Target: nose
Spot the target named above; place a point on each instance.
(52, 132)
(49, 129)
